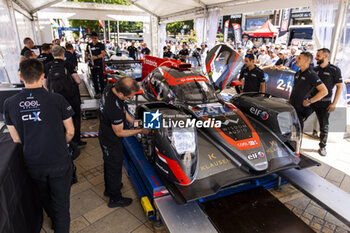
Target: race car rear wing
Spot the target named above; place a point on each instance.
(149, 63)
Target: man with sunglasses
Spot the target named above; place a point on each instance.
(254, 78)
(113, 117)
(263, 57)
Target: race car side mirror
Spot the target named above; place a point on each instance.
(237, 85)
(140, 92)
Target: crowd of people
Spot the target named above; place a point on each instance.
(50, 105)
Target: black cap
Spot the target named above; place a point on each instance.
(94, 34)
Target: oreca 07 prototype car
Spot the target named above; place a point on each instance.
(205, 144)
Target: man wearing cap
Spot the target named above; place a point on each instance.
(306, 81)
(96, 52)
(254, 78)
(331, 76)
(281, 62)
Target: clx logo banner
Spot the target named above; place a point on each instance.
(151, 120)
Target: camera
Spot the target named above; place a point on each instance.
(138, 124)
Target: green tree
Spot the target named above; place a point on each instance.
(126, 26)
(176, 27)
(93, 25)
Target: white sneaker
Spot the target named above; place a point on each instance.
(322, 151)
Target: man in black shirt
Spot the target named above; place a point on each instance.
(45, 55)
(28, 45)
(29, 54)
(305, 82)
(113, 116)
(74, 97)
(132, 51)
(254, 78)
(145, 50)
(330, 75)
(184, 53)
(96, 52)
(71, 56)
(42, 123)
(167, 53)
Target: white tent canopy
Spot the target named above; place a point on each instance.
(20, 18)
(94, 11)
(173, 10)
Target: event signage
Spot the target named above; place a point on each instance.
(238, 32)
(80, 30)
(227, 24)
(301, 15)
(285, 21)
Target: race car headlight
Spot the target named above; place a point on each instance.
(290, 128)
(184, 140)
(285, 122)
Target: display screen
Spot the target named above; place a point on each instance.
(252, 24)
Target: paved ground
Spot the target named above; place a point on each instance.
(89, 211)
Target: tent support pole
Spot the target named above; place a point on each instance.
(339, 24)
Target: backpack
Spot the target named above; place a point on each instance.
(60, 81)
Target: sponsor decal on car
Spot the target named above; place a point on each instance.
(256, 155)
(261, 113)
(150, 62)
(212, 109)
(214, 162)
(249, 143)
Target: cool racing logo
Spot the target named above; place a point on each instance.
(152, 120)
(258, 112)
(29, 104)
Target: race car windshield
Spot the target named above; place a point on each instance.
(219, 66)
(195, 91)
